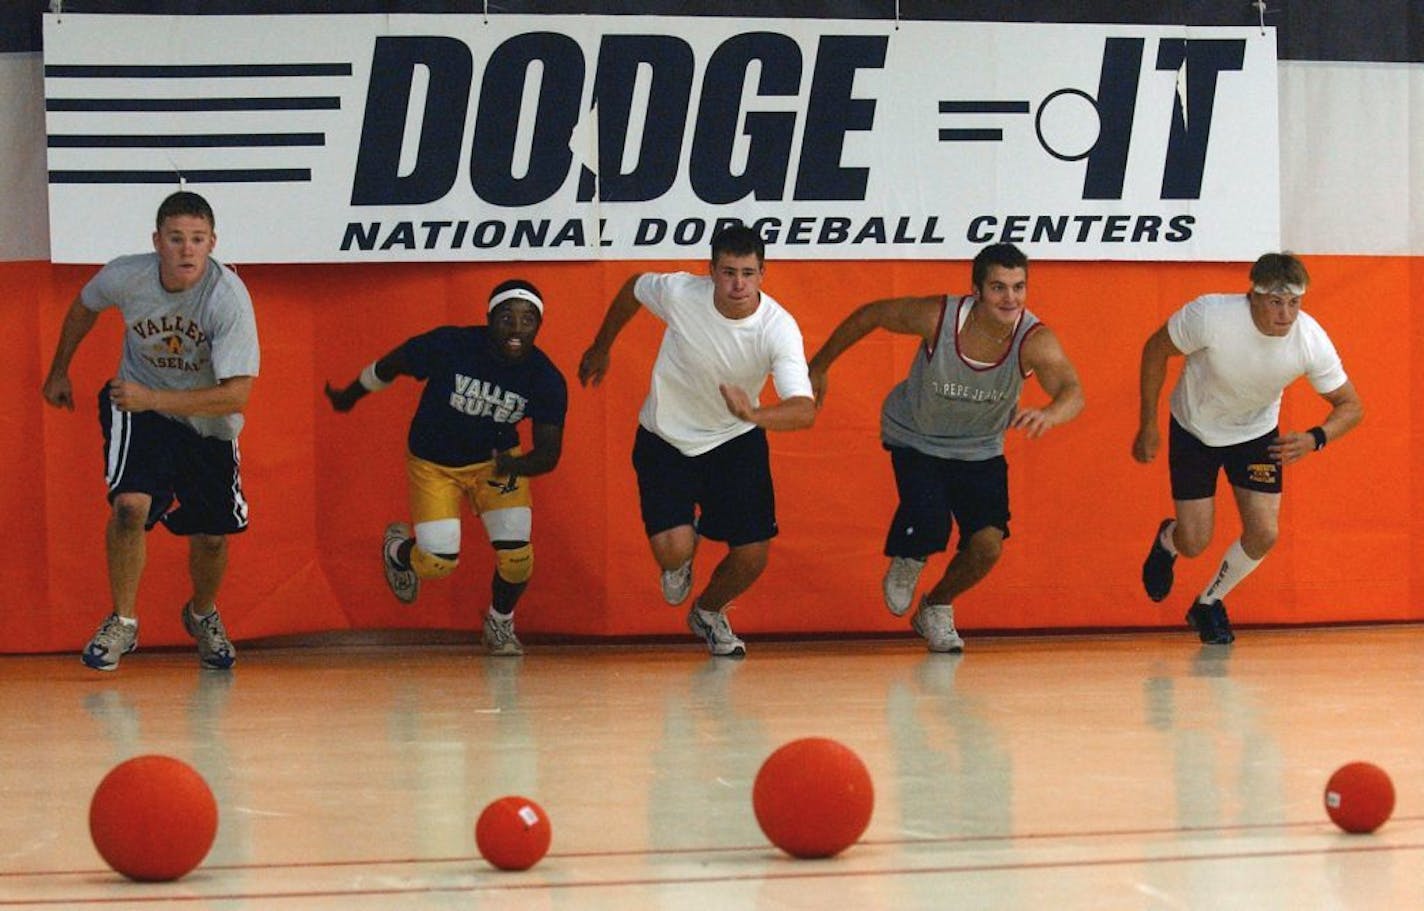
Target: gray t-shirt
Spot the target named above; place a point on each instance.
(188, 340)
(950, 408)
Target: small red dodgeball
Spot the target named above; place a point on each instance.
(1359, 797)
(153, 818)
(813, 797)
(513, 833)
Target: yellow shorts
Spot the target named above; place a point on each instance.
(436, 491)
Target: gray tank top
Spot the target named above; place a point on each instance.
(950, 408)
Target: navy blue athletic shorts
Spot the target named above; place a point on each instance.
(1195, 465)
(731, 485)
(146, 452)
(936, 492)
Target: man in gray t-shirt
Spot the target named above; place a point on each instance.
(170, 417)
(944, 426)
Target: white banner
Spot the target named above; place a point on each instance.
(358, 138)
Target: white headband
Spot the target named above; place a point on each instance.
(1282, 288)
(516, 294)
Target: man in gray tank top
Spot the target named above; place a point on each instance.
(170, 417)
(944, 426)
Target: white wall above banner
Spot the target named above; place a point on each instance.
(362, 138)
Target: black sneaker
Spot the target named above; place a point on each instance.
(1157, 568)
(1211, 623)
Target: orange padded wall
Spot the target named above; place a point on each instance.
(322, 486)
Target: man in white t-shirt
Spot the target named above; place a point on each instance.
(1242, 351)
(701, 452)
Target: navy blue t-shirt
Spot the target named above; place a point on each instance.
(473, 399)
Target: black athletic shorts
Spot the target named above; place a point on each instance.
(730, 484)
(1195, 465)
(145, 452)
(936, 492)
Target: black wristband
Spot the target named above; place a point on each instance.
(1319, 434)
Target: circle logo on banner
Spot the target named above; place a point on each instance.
(1359, 797)
(813, 797)
(153, 818)
(513, 833)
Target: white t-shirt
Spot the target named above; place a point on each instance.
(701, 349)
(1230, 388)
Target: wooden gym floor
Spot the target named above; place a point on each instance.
(1071, 772)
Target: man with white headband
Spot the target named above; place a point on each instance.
(480, 382)
(1241, 351)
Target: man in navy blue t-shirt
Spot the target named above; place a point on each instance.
(480, 381)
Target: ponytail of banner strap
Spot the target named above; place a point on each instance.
(373, 383)
(1319, 434)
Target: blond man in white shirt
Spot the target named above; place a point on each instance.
(1241, 352)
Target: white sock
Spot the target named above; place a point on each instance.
(128, 621)
(1165, 538)
(1235, 566)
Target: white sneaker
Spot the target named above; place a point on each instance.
(404, 583)
(900, 580)
(935, 622)
(215, 649)
(499, 635)
(113, 640)
(714, 629)
(677, 583)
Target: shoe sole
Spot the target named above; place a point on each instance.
(890, 604)
(397, 531)
(1152, 551)
(1159, 595)
(909, 601)
(685, 591)
(672, 600)
(396, 590)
